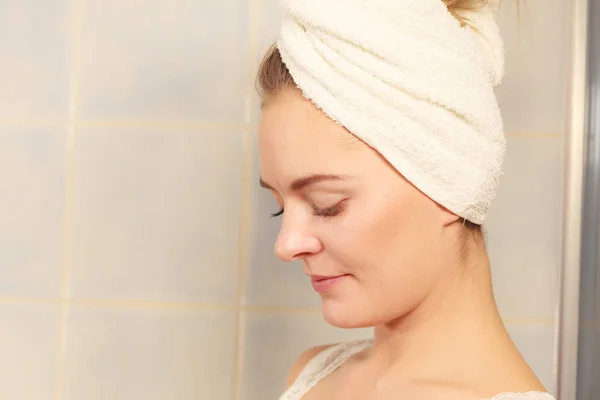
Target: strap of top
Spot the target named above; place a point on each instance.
(524, 396)
(322, 365)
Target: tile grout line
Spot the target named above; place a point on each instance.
(129, 123)
(184, 125)
(75, 32)
(283, 310)
(33, 123)
(245, 201)
(242, 260)
(129, 304)
(189, 125)
(153, 305)
(149, 305)
(30, 300)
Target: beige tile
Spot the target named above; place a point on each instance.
(29, 347)
(150, 354)
(270, 281)
(269, 17)
(273, 342)
(32, 207)
(536, 344)
(34, 60)
(156, 214)
(532, 95)
(524, 229)
(179, 59)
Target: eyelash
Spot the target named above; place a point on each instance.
(277, 214)
(325, 212)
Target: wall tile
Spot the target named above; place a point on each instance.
(181, 59)
(29, 347)
(156, 214)
(273, 342)
(536, 344)
(34, 59)
(532, 95)
(523, 229)
(32, 202)
(150, 354)
(269, 18)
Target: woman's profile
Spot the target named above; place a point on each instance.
(382, 142)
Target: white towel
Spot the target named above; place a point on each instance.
(404, 77)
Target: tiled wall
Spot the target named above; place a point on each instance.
(135, 250)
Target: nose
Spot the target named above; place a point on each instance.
(295, 241)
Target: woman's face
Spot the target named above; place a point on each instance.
(373, 245)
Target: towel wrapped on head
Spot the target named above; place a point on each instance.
(409, 80)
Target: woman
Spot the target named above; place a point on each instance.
(382, 142)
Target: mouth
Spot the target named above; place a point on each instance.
(323, 284)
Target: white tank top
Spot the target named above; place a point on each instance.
(330, 359)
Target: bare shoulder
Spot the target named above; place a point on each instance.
(302, 360)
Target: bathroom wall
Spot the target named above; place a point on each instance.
(135, 246)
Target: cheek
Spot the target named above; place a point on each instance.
(393, 236)
(386, 237)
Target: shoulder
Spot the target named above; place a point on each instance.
(302, 360)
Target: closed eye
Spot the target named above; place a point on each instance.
(330, 211)
(320, 212)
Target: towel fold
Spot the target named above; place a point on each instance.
(407, 79)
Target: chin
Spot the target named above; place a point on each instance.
(345, 316)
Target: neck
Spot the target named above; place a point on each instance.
(455, 335)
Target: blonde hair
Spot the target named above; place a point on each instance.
(274, 77)
(456, 6)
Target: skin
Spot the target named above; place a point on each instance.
(405, 269)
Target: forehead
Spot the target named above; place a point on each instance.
(297, 138)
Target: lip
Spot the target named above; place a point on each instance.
(323, 284)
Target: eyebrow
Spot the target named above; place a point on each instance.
(302, 183)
